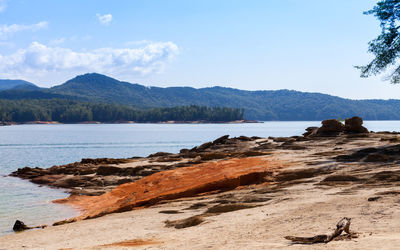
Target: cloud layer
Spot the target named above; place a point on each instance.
(41, 60)
(8, 30)
(104, 19)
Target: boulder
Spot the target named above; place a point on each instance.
(354, 125)
(330, 127)
(20, 226)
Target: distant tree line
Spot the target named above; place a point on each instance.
(72, 111)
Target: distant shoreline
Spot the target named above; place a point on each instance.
(130, 122)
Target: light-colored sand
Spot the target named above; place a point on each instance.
(304, 210)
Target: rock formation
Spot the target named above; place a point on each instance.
(330, 127)
(354, 125)
(177, 183)
(97, 176)
(334, 127)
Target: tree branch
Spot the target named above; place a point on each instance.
(342, 225)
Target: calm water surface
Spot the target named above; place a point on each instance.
(48, 145)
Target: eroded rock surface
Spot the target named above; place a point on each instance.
(178, 183)
(97, 176)
(338, 156)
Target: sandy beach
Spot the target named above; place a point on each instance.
(302, 211)
(308, 185)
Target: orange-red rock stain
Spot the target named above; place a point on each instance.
(177, 183)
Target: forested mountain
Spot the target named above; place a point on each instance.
(259, 105)
(16, 84)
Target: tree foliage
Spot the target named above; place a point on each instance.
(386, 47)
(71, 111)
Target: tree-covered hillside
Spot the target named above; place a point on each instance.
(69, 111)
(283, 105)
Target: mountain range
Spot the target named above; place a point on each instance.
(7, 84)
(265, 105)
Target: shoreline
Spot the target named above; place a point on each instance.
(258, 190)
(167, 122)
(131, 122)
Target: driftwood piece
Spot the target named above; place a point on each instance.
(342, 225)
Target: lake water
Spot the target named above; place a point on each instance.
(48, 145)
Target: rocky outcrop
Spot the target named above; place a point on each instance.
(96, 176)
(172, 184)
(354, 125)
(330, 127)
(333, 127)
(283, 168)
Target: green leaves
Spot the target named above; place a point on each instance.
(386, 47)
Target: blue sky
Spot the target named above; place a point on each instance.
(305, 45)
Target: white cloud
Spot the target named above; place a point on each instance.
(3, 5)
(39, 60)
(104, 19)
(8, 30)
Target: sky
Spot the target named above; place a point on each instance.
(304, 45)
